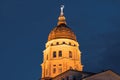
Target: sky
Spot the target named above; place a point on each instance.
(25, 25)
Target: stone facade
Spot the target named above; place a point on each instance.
(62, 51)
(61, 56)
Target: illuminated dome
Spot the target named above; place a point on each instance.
(61, 31)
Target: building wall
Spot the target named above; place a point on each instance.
(61, 63)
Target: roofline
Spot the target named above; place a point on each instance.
(103, 72)
(75, 71)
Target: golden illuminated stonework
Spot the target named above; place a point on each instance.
(61, 31)
(62, 51)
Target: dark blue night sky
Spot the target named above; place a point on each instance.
(25, 25)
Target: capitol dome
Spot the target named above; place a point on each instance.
(61, 31)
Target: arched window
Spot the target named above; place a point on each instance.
(54, 65)
(54, 54)
(74, 45)
(60, 64)
(52, 44)
(69, 43)
(60, 53)
(63, 42)
(54, 70)
(70, 54)
(57, 43)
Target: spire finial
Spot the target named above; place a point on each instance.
(61, 19)
(62, 7)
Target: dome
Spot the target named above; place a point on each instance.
(61, 31)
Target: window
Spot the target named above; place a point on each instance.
(60, 70)
(69, 43)
(54, 70)
(70, 54)
(70, 77)
(47, 57)
(74, 78)
(62, 78)
(67, 78)
(63, 42)
(54, 65)
(54, 54)
(60, 64)
(74, 45)
(60, 53)
(57, 43)
(52, 44)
